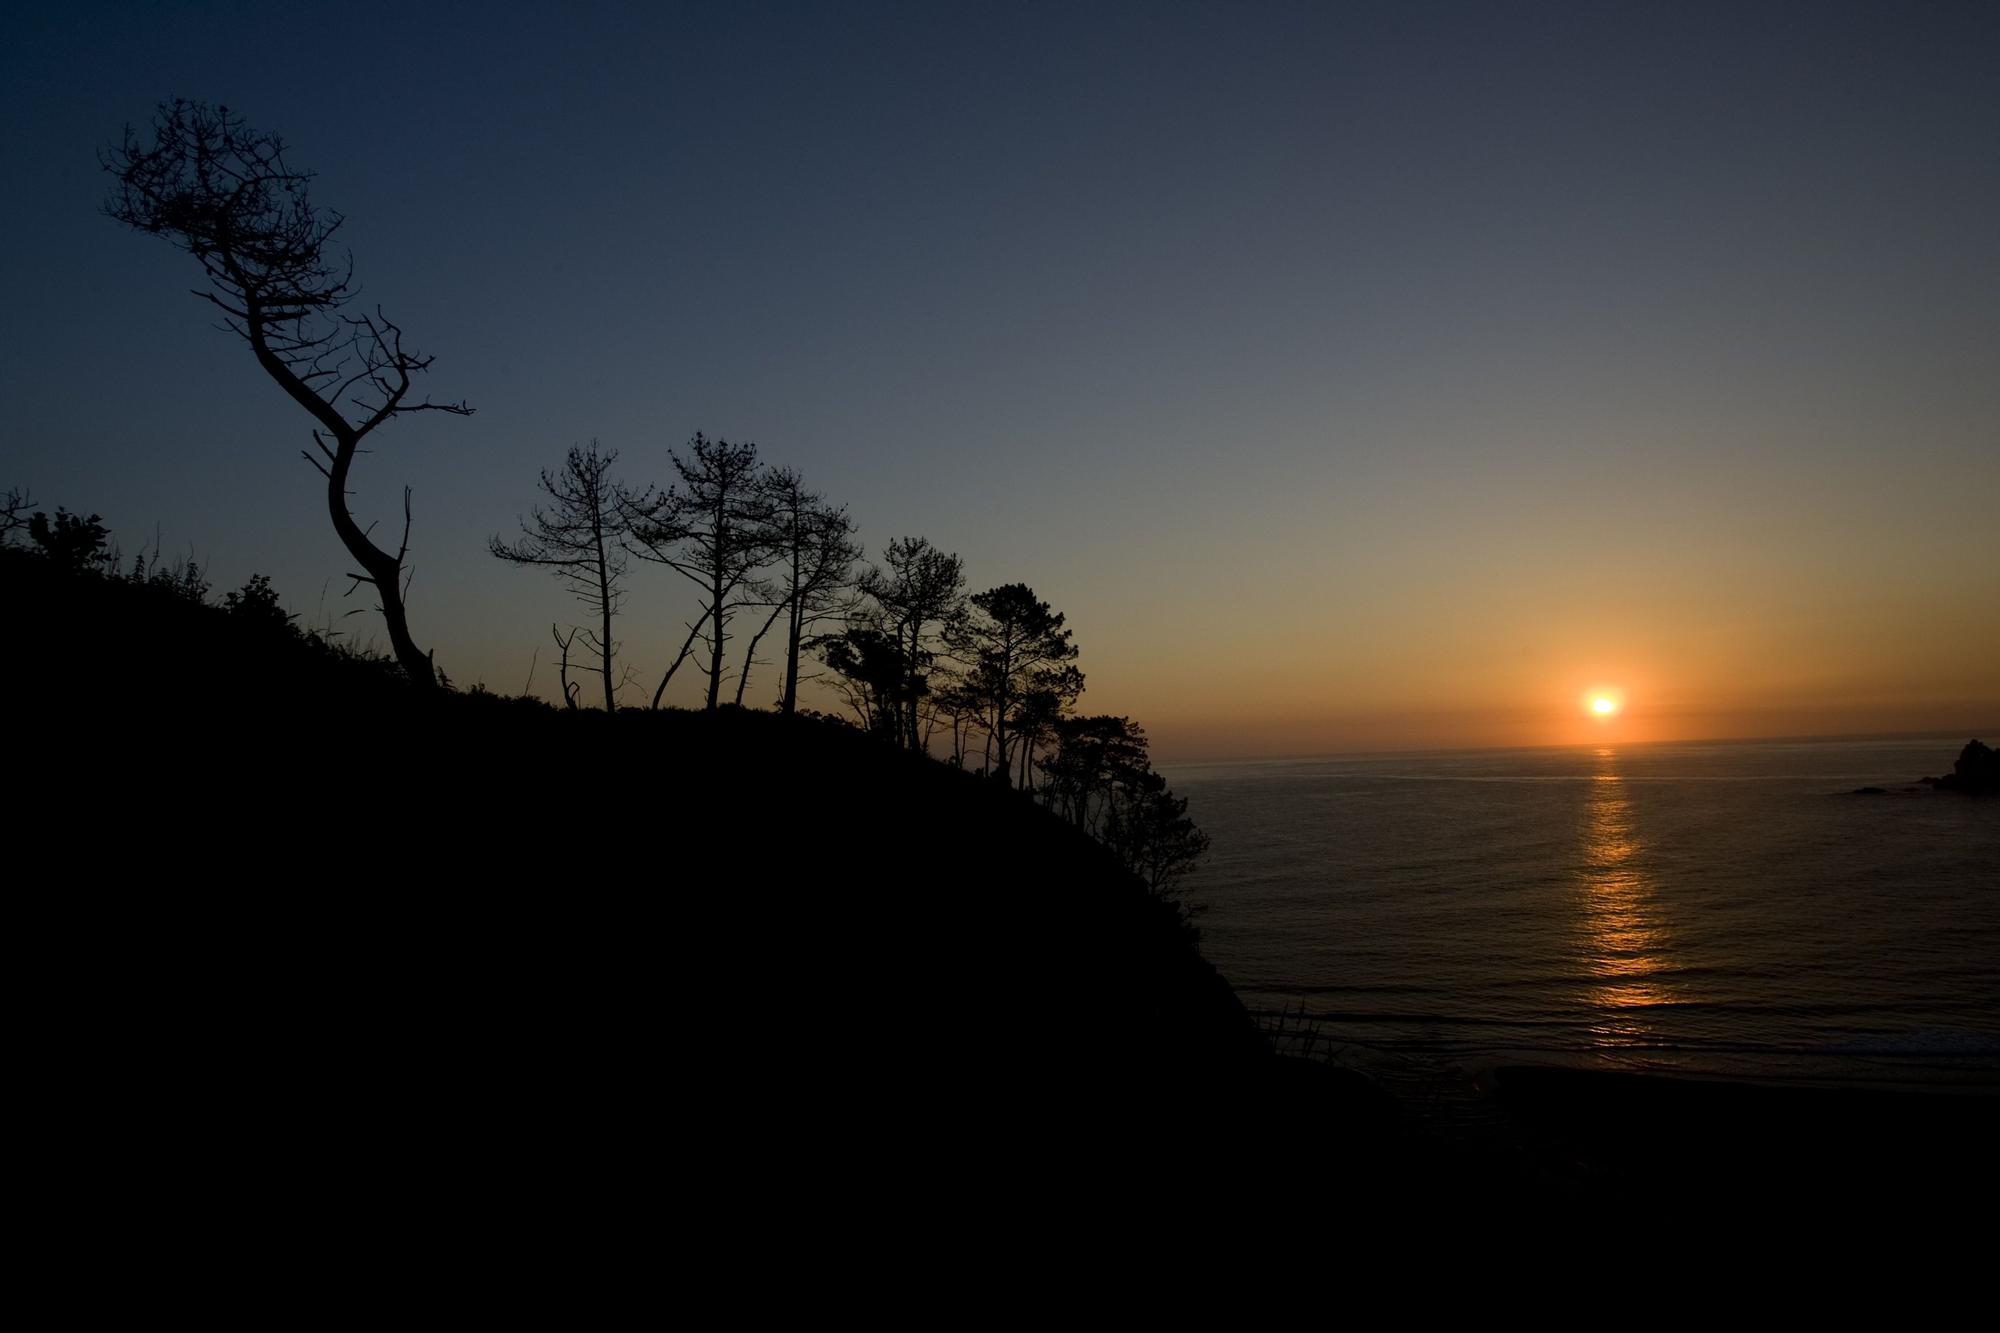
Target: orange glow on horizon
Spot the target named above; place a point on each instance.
(1396, 686)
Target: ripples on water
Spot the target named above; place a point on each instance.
(1723, 908)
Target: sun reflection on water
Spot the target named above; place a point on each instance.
(1623, 943)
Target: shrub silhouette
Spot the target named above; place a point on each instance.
(73, 543)
(256, 603)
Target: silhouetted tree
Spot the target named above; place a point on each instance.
(579, 540)
(812, 545)
(1093, 756)
(1149, 829)
(919, 601)
(1101, 779)
(870, 674)
(1051, 694)
(225, 193)
(1011, 646)
(710, 528)
(958, 704)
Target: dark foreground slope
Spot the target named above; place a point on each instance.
(287, 917)
(299, 953)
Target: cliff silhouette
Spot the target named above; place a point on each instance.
(284, 901)
(285, 917)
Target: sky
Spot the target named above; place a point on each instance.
(1352, 376)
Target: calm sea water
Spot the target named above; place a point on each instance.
(1718, 908)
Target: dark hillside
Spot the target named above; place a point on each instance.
(278, 896)
(286, 928)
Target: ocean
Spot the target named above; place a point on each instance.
(1725, 908)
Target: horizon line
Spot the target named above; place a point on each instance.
(1303, 755)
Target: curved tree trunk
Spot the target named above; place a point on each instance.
(378, 567)
(385, 571)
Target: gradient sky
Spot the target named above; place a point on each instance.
(1353, 375)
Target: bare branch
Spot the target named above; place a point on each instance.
(224, 194)
(579, 539)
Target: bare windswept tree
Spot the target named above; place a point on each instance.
(709, 528)
(579, 540)
(918, 595)
(226, 194)
(813, 553)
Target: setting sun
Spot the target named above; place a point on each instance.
(1604, 702)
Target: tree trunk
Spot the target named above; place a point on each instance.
(794, 611)
(916, 642)
(791, 703)
(382, 569)
(750, 657)
(1000, 728)
(718, 647)
(687, 646)
(604, 599)
(917, 720)
(717, 591)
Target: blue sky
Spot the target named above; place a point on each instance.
(1351, 374)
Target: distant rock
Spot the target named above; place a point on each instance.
(1868, 791)
(1977, 770)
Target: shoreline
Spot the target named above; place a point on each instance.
(1562, 1132)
